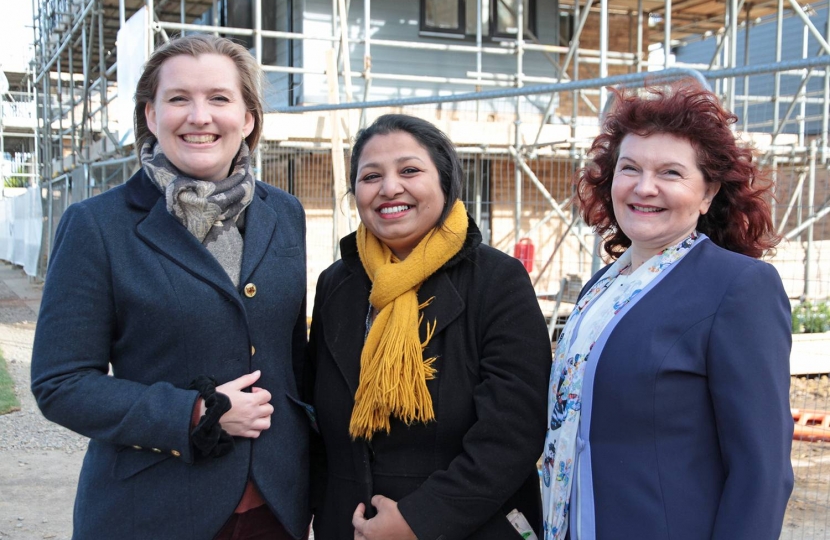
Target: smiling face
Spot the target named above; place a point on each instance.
(199, 115)
(398, 191)
(658, 192)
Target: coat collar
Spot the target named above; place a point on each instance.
(166, 235)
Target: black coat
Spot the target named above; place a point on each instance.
(129, 288)
(458, 476)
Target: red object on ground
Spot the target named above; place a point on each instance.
(524, 251)
(811, 425)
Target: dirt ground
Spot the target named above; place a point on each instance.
(39, 462)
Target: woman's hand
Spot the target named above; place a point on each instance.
(388, 524)
(250, 412)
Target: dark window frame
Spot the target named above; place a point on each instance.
(460, 31)
(530, 21)
(437, 31)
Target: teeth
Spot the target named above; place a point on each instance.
(199, 138)
(649, 209)
(394, 209)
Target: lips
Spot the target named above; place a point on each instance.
(200, 138)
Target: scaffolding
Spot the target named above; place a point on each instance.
(520, 99)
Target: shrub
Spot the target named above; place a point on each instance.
(810, 318)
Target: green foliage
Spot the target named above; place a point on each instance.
(17, 180)
(810, 318)
(8, 401)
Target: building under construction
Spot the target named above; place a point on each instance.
(518, 85)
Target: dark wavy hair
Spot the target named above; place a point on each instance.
(433, 140)
(739, 217)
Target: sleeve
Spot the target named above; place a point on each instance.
(72, 352)
(502, 447)
(749, 378)
(317, 448)
(300, 332)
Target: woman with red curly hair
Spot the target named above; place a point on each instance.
(668, 401)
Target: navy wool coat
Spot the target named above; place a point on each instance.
(129, 288)
(690, 423)
(456, 477)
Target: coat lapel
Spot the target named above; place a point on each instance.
(163, 233)
(260, 227)
(446, 303)
(167, 236)
(344, 335)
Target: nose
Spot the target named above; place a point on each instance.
(199, 113)
(646, 185)
(391, 186)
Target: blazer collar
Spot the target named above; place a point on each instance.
(166, 235)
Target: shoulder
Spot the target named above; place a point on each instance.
(708, 260)
(279, 199)
(487, 258)
(488, 275)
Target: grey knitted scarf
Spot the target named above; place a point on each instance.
(212, 211)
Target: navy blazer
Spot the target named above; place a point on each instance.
(690, 427)
(458, 476)
(131, 290)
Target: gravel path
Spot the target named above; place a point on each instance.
(39, 461)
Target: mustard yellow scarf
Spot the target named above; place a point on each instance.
(393, 372)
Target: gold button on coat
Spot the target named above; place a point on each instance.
(136, 447)
(253, 350)
(175, 453)
(156, 450)
(250, 290)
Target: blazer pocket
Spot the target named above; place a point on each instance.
(290, 251)
(130, 462)
(309, 411)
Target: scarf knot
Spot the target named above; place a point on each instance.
(393, 372)
(213, 212)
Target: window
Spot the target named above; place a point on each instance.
(457, 18)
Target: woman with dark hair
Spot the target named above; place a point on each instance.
(668, 403)
(187, 284)
(429, 356)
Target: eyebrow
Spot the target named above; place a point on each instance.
(399, 160)
(663, 164)
(218, 89)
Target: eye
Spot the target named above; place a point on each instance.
(370, 177)
(410, 170)
(671, 172)
(223, 99)
(176, 99)
(626, 167)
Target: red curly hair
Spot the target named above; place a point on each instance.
(739, 217)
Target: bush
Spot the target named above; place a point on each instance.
(809, 318)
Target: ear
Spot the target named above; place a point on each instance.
(249, 124)
(150, 115)
(712, 189)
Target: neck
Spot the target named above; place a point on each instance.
(639, 256)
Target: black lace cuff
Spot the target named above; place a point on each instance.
(208, 438)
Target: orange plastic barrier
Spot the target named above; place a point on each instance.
(811, 425)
